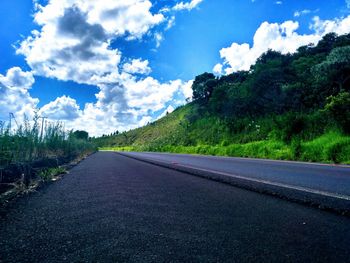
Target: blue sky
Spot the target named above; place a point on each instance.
(139, 56)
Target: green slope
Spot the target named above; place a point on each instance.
(211, 136)
(293, 107)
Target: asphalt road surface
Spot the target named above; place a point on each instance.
(112, 208)
(327, 178)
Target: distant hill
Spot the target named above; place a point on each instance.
(294, 106)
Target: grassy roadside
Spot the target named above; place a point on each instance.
(43, 176)
(332, 147)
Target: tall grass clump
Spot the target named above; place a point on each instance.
(330, 147)
(32, 146)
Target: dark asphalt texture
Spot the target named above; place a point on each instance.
(329, 178)
(111, 208)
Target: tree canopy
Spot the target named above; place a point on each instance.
(81, 135)
(278, 83)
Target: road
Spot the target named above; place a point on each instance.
(327, 178)
(112, 208)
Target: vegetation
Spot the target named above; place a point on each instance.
(49, 173)
(34, 149)
(294, 106)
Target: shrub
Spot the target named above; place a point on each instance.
(289, 126)
(339, 108)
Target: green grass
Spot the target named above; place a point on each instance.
(50, 173)
(332, 147)
(269, 137)
(29, 144)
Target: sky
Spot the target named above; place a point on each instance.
(124, 63)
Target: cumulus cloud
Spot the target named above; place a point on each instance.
(339, 26)
(63, 108)
(187, 6)
(137, 66)
(150, 95)
(117, 17)
(68, 52)
(126, 107)
(16, 78)
(73, 43)
(218, 69)
(14, 93)
(279, 37)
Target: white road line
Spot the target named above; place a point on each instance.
(292, 187)
(252, 159)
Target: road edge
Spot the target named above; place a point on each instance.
(8, 198)
(323, 202)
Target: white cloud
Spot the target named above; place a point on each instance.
(117, 17)
(150, 95)
(218, 69)
(302, 12)
(74, 40)
(14, 94)
(348, 3)
(63, 108)
(279, 37)
(278, 2)
(123, 108)
(159, 38)
(73, 43)
(339, 26)
(16, 78)
(137, 66)
(186, 90)
(68, 52)
(187, 6)
(171, 23)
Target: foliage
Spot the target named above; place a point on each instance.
(339, 108)
(203, 86)
(336, 68)
(49, 173)
(81, 135)
(34, 146)
(281, 108)
(330, 147)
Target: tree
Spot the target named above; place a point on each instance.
(81, 135)
(236, 77)
(266, 91)
(326, 43)
(203, 86)
(335, 69)
(269, 56)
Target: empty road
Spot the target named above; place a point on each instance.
(328, 178)
(111, 208)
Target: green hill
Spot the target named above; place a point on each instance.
(294, 106)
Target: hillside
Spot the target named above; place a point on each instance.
(294, 106)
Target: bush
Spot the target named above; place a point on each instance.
(289, 126)
(339, 108)
(339, 151)
(296, 149)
